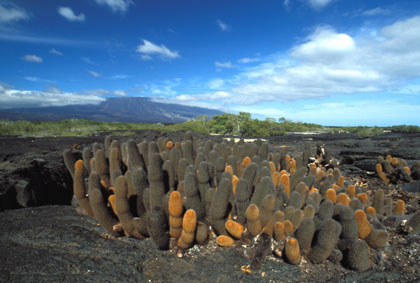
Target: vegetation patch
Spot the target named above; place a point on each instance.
(226, 124)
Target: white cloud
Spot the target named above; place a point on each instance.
(247, 60)
(146, 57)
(89, 61)
(48, 40)
(183, 100)
(323, 44)
(162, 90)
(193, 103)
(95, 74)
(223, 26)
(54, 89)
(148, 49)
(56, 52)
(218, 95)
(97, 92)
(211, 100)
(318, 4)
(12, 13)
(120, 92)
(38, 80)
(13, 98)
(68, 13)
(116, 5)
(329, 62)
(227, 65)
(32, 58)
(216, 83)
(119, 77)
(375, 12)
(264, 111)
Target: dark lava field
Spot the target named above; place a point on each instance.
(46, 237)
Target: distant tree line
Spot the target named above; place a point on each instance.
(226, 124)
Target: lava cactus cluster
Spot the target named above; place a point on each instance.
(194, 191)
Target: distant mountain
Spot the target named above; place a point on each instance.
(117, 109)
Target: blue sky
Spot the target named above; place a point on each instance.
(333, 62)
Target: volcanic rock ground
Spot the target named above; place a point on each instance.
(50, 241)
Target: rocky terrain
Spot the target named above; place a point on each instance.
(49, 240)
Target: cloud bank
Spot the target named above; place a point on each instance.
(13, 98)
(329, 62)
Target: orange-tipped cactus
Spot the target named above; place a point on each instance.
(363, 197)
(104, 185)
(288, 228)
(278, 216)
(389, 158)
(272, 167)
(331, 195)
(224, 241)
(111, 200)
(169, 145)
(379, 168)
(363, 225)
(234, 228)
(276, 178)
(292, 251)
(79, 187)
(292, 167)
(340, 181)
(394, 161)
(287, 159)
(400, 207)
(407, 169)
(229, 169)
(334, 187)
(370, 210)
(351, 191)
(175, 214)
(313, 190)
(246, 161)
(284, 179)
(330, 177)
(234, 182)
(381, 173)
(343, 199)
(189, 224)
(279, 231)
